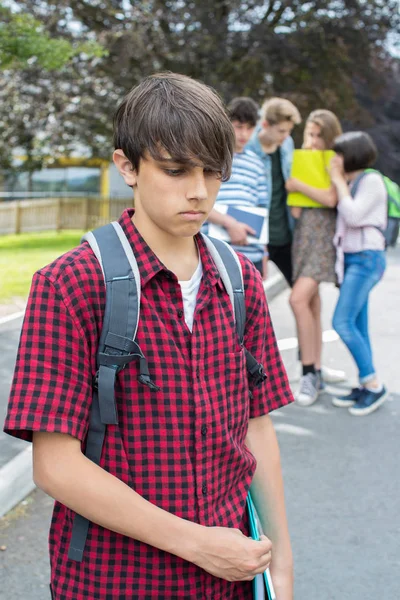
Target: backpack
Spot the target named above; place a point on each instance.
(117, 345)
(393, 206)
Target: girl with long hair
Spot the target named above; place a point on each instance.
(313, 256)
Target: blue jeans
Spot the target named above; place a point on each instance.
(362, 271)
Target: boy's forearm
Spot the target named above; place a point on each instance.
(75, 481)
(268, 494)
(218, 218)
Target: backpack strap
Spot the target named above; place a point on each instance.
(354, 189)
(117, 346)
(230, 270)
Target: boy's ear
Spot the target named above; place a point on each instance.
(264, 124)
(125, 167)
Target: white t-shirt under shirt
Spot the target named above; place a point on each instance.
(189, 291)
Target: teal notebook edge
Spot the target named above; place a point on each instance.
(268, 592)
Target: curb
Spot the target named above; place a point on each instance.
(16, 479)
(274, 286)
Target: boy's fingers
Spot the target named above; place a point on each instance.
(265, 545)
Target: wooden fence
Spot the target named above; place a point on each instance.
(20, 216)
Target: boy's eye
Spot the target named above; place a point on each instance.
(212, 173)
(174, 172)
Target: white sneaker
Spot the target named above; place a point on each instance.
(332, 375)
(308, 390)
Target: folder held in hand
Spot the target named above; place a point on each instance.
(311, 167)
(262, 584)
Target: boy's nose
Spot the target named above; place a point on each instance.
(197, 187)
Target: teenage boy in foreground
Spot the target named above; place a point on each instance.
(247, 185)
(167, 504)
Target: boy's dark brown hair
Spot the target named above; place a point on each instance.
(244, 110)
(174, 113)
(358, 150)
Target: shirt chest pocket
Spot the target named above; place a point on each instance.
(237, 388)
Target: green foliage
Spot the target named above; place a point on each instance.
(24, 40)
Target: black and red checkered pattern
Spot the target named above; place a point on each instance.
(182, 448)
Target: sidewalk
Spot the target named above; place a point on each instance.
(16, 455)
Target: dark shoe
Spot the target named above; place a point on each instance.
(368, 402)
(349, 399)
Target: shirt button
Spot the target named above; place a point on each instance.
(204, 430)
(180, 314)
(204, 489)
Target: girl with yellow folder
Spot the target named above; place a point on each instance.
(314, 200)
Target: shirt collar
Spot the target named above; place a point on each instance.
(254, 143)
(150, 265)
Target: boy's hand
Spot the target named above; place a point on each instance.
(230, 555)
(238, 232)
(295, 211)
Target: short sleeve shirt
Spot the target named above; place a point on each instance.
(181, 447)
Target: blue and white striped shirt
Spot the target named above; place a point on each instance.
(247, 186)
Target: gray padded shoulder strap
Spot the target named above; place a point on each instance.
(230, 270)
(111, 258)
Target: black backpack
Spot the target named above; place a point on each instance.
(117, 345)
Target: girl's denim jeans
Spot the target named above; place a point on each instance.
(362, 271)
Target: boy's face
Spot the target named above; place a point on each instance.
(243, 133)
(170, 197)
(276, 133)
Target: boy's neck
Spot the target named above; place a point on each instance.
(178, 254)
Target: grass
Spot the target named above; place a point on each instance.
(21, 255)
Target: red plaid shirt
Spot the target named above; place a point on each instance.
(182, 448)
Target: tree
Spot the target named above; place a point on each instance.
(31, 62)
(322, 53)
(23, 40)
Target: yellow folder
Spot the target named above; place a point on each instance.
(311, 167)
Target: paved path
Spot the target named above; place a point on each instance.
(341, 474)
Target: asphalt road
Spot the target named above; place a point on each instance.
(342, 478)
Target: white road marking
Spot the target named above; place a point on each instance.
(8, 318)
(293, 429)
(290, 343)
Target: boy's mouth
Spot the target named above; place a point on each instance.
(192, 214)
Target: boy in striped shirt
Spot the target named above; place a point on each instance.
(247, 185)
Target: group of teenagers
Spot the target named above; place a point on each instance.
(342, 241)
(166, 503)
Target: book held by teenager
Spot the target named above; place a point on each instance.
(263, 588)
(254, 216)
(311, 167)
